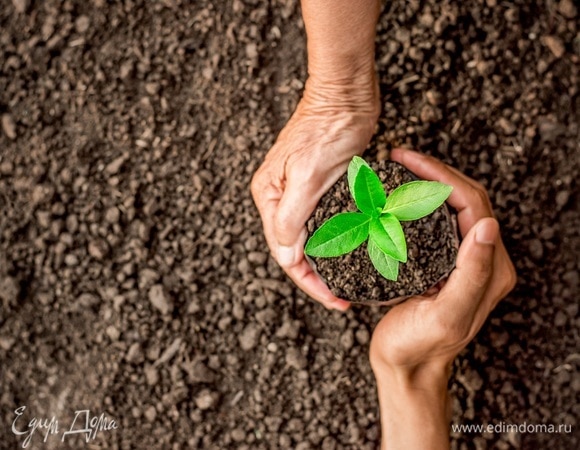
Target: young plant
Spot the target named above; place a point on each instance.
(378, 219)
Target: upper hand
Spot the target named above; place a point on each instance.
(331, 124)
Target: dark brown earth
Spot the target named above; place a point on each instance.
(431, 246)
(134, 276)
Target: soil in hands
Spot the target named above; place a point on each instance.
(431, 244)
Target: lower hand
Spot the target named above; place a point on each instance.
(413, 346)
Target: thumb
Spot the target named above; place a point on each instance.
(295, 207)
(468, 282)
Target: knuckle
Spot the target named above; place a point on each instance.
(510, 278)
(393, 354)
(480, 194)
(257, 184)
(448, 331)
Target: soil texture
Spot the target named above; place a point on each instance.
(135, 280)
(432, 244)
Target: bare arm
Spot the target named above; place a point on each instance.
(414, 408)
(414, 345)
(341, 39)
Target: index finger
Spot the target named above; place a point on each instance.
(468, 197)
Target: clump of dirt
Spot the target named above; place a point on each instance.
(432, 244)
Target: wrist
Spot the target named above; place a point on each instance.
(357, 97)
(411, 400)
(355, 66)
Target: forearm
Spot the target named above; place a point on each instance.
(414, 410)
(341, 38)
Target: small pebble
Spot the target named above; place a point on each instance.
(252, 51)
(536, 249)
(429, 114)
(205, 400)
(135, 354)
(507, 127)
(347, 339)
(562, 198)
(98, 249)
(114, 166)
(159, 299)
(112, 215)
(82, 24)
(6, 342)
(238, 435)
(113, 332)
(560, 319)
(6, 167)
(433, 97)
(549, 129)
(249, 337)
(362, 336)
(295, 359)
(567, 9)
(555, 45)
(151, 375)
(238, 311)
(8, 126)
(289, 329)
(150, 414)
(20, 5)
(71, 260)
(257, 258)
(272, 347)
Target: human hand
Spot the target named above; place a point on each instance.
(414, 345)
(332, 123)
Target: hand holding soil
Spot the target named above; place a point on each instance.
(414, 345)
(334, 121)
(311, 153)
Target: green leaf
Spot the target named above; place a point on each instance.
(388, 235)
(369, 193)
(353, 167)
(416, 199)
(385, 265)
(339, 235)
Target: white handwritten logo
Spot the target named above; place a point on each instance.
(83, 423)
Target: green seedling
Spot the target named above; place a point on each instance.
(378, 219)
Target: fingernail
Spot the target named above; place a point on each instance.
(338, 305)
(486, 232)
(285, 255)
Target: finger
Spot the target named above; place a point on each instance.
(300, 272)
(468, 197)
(311, 283)
(425, 165)
(266, 197)
(466, 287)
(299, 199)
(504, 278)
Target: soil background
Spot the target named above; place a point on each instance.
(134, 278)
